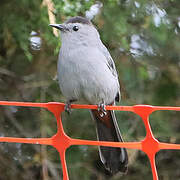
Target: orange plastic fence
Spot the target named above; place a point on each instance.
(150, 145)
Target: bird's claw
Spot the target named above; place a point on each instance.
(68, 108)
(102, 109)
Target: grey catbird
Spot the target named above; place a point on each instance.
(86, 71)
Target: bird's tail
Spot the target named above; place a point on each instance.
(114, 159)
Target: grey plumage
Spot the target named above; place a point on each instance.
(86, 72)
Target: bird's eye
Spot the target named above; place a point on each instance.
(75, 28)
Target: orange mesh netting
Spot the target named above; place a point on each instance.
(150, 145)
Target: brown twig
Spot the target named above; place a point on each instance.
(51, 9)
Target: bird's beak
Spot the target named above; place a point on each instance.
(61, 27)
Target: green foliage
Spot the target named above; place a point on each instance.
(143, 38)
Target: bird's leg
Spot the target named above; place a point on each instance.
(102, 109)
(68, 106)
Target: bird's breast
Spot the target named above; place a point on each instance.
(84, 76)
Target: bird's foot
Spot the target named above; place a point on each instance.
(67, 107)
(102, 109)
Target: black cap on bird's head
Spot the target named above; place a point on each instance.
(77, 19)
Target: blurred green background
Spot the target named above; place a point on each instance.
(143, 37)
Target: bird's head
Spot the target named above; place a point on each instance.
(77, 30)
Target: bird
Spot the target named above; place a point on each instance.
(87, 73)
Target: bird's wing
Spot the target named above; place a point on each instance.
(111, 66)
(109, 60)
